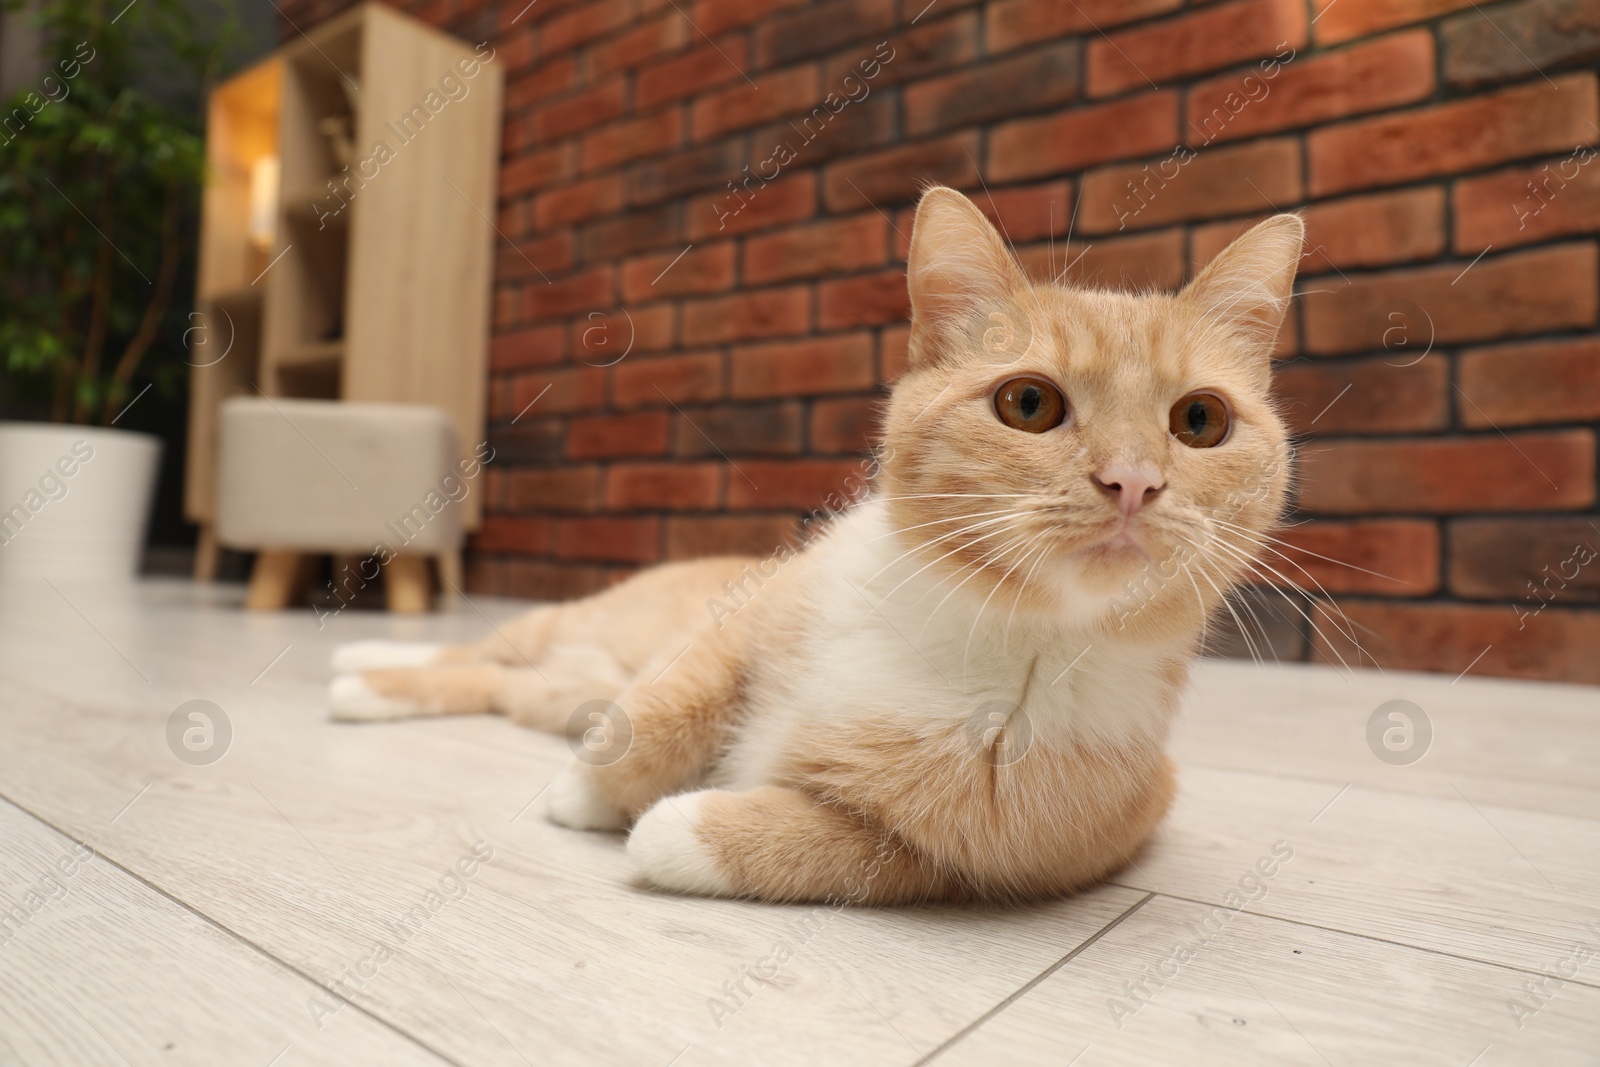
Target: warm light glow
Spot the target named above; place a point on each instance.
(264, 201)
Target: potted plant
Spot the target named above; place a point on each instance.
(101, 162)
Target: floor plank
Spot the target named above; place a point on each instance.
(98, 968)
(1248, 989)
(1532, 745)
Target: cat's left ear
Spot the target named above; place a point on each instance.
(1249, 284)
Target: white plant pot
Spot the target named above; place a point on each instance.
(74, 501)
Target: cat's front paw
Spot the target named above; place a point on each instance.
(351, 698)
(576, 802)
(358, 656)
(668, 850)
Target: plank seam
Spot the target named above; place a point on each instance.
(1029, 986)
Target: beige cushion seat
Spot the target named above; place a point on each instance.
(351, 479)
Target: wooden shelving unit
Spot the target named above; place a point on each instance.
(375, 283)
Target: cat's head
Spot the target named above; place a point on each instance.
(1109, 457)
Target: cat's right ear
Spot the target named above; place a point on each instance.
(959, 271)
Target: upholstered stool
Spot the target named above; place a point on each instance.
(374, 485)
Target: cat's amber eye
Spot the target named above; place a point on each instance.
(1199, 420)
(1031, 404)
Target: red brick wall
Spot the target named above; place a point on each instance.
(1432, 145)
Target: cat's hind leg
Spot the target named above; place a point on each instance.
(779, 845)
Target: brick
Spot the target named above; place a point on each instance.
(622, 142)
(1449, 638)
(820, 28)
(863, 300)
(1367, 396)
(539, 258)
(1361, 231)
(1390, 557)
(1501, 296)
(1026, 213)
(579, 201)
(699, 270)
(836, 246)
(1366, 77)
(1133, 263)
(603, 337)
(789, 199)
(1531, 562)
(1528, 384)
(1536, 118)
(500, 406)
(801, 368)
(677, 379)
(1216, 181)
(799, 485)
(602, 436)
(1012, 24)
(516, 49)
(605, 538)
(893, 345)
(540, 580)
(739, 430)
(531, 347)
(651, 38)
(1031, 81)
(758, 536)
(559, 392)
(897, 176)
(537, 169)
(929, 48)
(1528, 204)
(746, 316)
(1345, 20)
(850, 424)
(588, 20)
(591, 289)
(706, 167)
(783, 92)
(714, 16)
(549, 78)
(563, 489)
(664, 486)
(683, 76)
(1082, 137)
(1482, 473)
(485, 575)
(509, 533)
(636, 231)
(531, 442)
(1212, 37)
(1535, 35)
(821, 134)
(602, 103)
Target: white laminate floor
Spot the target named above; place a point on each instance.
(301, 899)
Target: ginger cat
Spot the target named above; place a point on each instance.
(962, 688)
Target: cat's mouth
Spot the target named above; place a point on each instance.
(1121, 545)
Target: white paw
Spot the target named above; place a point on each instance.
(351, 699)
(358, 656)
(668, 851)
(576, 802)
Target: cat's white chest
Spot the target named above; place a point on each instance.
(914, 649)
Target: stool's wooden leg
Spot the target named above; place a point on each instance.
(207, 554)
(451, 581)
(272, 580)
(408, 584)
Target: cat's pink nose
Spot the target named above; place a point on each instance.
(1132, 487)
